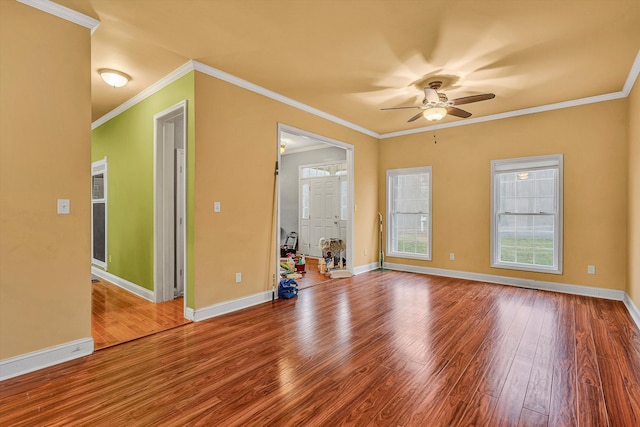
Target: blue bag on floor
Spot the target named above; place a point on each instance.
(288, 288)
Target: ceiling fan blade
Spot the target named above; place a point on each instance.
(416, 117)
(458, 112)
(473, 98)
(400, 108)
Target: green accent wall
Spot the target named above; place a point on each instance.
(127, 142)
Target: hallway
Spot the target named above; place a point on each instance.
(119, 316)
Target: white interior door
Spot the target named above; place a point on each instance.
(321, 217)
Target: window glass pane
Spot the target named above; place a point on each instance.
(409, 219)
(97, 186)
(343, 200)
(98, 232)
(305, 201)
(526, 239)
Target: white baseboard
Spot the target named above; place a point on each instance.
(124, 284)
(228, 306)
(364, 268)
(633, 310)
(514, 281)
(40, 359)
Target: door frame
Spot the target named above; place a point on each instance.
(163, 212)
(100, 167)
(350, 189)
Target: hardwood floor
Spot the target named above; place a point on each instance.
(381, 348)
(312, 277)
(119, 316)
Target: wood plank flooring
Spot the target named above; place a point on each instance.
(312, 277)
(119, 316)
(381, 348)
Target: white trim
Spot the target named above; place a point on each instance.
(219, 74)
(551, 161)
(365, 268)
(393, 173)
(514, 281)
(124, 284)
(633, 310)
(229, 78)
(633, 75)
(351, 185)
(100, 167)
(228, 306)
(157, 86)
(303, 149)
(29, 362)
(63, 12)
(163, 197)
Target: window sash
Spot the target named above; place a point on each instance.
(408, 213)
(527, 214)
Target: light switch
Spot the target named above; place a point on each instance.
(216, 206)
(64, 207)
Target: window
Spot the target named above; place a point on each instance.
(409, 213)
(99, 213)
(526, 211)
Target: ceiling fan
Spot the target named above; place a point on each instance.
(436, 105)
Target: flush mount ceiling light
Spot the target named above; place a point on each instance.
(114, 78)
(435, 113)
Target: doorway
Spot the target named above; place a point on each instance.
(170, 192)
(315, 196)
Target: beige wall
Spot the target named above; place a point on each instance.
(45, 122)
(593, 139)
(633, 288)
(236, 145)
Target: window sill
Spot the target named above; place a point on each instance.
(523, 267)
(408, 256)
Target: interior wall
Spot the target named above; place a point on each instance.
(235, 164)
(634, 195)
(289, 175)
(593, 139)
(45, 122)
(127, 141)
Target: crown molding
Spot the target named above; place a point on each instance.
(633, 75)
(63, 12)
(160, 84)
(229, 78)
(626, 89)
(508, 114)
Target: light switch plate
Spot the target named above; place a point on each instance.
(216, 206)
(64, 207)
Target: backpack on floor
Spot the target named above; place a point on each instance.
(288, 288)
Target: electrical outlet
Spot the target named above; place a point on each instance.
(238, 277)
(452, 256)
(591, 269)
(366, 252)
(109, 257)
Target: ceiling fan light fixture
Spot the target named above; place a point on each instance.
(435, 113)
(114, 78)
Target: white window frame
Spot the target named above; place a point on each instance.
(524, 164)
(392, 173)
(97, 168)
